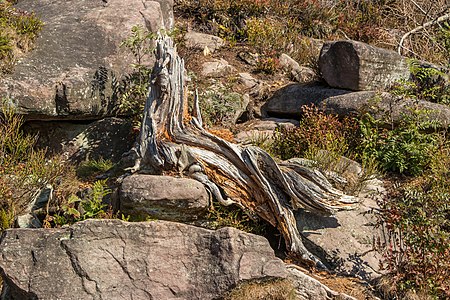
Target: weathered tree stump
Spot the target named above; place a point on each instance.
(173, 141)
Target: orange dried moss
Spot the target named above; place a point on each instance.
(225, 134)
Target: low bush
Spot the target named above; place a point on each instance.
(18, 30)
(427, 83)
(24, 170)
(405, 149)
(415, 218)
(219, 106)
(89, 206)
(316, 131)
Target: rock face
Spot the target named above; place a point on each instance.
(78, 67)
(344, 242)
(287, 102)
(163, 197)
(358, 66)
(108, 138)
(111, 259)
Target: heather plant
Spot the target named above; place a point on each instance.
(24, 170)
(415, 218)
(317, 131)
(18, 30)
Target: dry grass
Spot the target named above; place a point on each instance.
(268, 290)
(346, 285)
(281, 26)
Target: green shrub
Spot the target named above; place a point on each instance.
(6, 218)
(5, 46)
(406, 149)
(219, 106)
(444, 38)
(90, 206)
(134, 94)
(91, 168)
(427, 83)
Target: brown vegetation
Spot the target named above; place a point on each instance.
(269, 290)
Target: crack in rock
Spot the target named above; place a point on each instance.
(82, 273)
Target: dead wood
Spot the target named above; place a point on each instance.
(172, 140)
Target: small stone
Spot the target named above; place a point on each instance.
(200, 41)
(248, 80)
(298, 73)
(261, 131)
(28, 221)
(249, 58)
(217, 68)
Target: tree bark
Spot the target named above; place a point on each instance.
(173, 141)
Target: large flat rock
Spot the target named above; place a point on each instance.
(112, 259)
(77, 69)
(386, 107)
(288, 102)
